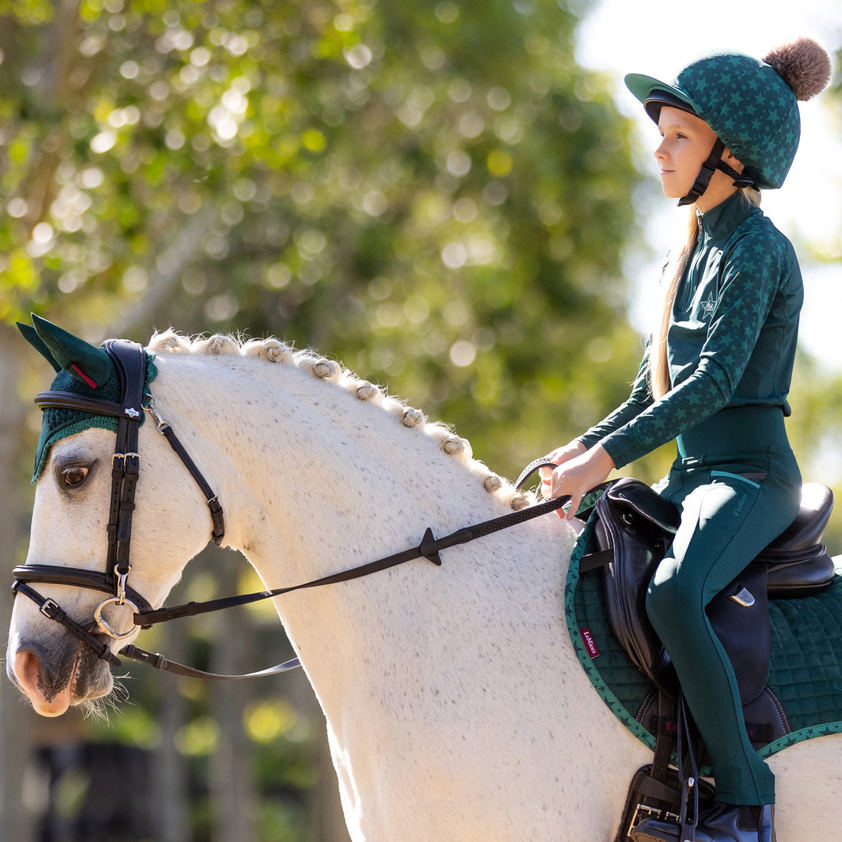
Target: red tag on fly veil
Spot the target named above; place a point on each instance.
(84, 376)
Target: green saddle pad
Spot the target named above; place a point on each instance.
(805, 670)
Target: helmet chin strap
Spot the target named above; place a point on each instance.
(712, 163)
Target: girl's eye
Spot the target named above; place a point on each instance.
(74, 475)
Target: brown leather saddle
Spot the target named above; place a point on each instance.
(633, 530)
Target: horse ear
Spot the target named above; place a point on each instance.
(85, 362)
(31, 336)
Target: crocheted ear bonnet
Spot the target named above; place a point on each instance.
(80, 368)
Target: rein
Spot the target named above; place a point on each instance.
(429, 548)
(129, 360)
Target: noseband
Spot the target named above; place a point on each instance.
(130, 362)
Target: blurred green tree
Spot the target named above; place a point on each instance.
(434, 193)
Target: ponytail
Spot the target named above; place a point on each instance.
(659, 377)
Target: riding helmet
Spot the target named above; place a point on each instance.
(751, 105)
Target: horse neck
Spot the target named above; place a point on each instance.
(314, 481)
(312, 477)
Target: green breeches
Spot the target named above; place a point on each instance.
(737, 485)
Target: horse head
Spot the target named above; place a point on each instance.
(70, 550)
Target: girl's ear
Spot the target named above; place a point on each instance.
(732, 160)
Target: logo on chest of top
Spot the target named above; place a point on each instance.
(707, 307)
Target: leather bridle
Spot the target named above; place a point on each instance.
(130, 361)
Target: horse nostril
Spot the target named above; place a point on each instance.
(27, 667)
(48, 699)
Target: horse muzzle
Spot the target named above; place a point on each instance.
(57, 673)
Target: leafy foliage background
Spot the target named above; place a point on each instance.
(432, 192)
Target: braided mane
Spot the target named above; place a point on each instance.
(274, 351)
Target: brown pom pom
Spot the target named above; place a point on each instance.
(804, 65)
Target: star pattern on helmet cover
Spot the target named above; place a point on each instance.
(751, 108)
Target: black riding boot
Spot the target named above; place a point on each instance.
(721, 823)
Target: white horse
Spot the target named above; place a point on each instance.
(455, 705)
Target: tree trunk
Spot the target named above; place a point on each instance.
(170, 783)
(16, 822)
(232, 785)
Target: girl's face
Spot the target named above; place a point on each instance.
(686, 142)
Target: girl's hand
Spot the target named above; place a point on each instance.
(577, 475)
(560, 455)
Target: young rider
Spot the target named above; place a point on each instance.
(715, 378)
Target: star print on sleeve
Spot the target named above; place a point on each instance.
(638, 400)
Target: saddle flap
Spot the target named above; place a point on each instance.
(739, 616)
(637, 543)
(637, 525)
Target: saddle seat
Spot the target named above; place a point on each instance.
(798, 563)
(633, 530)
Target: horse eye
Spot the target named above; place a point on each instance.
(74, 475)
